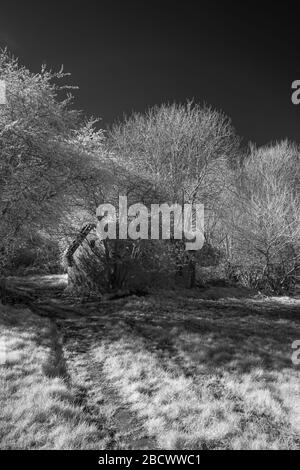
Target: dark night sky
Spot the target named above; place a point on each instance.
(130, 55)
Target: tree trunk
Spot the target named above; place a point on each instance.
(77, 243)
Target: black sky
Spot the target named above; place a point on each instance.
(127, 55)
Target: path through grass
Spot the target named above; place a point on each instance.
(170, 372)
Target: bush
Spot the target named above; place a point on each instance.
(113, 265)
(36, 255)
(276, 279)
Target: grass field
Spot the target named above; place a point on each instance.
(169, 371)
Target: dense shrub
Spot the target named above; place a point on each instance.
(36, 255)
(112, 265)
(276, 279)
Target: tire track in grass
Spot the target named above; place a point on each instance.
(99, 398)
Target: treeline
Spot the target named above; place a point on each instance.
(56, 167)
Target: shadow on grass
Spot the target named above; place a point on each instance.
(55, 365)
(225, 335)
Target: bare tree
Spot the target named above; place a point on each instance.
(265, 213)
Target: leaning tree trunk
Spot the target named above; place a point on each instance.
(77, 243)
(76, 278)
